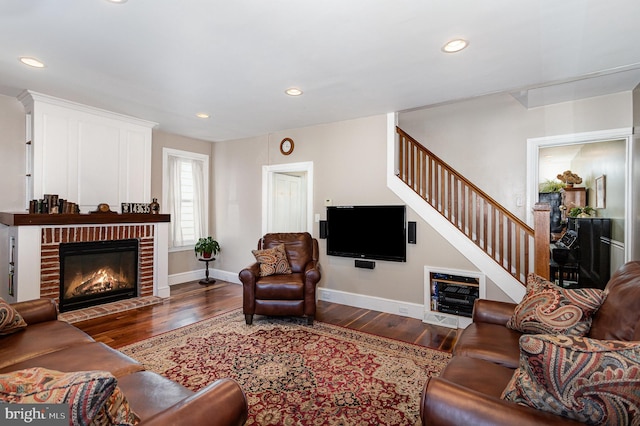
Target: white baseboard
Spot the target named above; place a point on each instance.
(405, 309)
(199, 274)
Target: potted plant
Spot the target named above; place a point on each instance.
(581, 211)
(206, 247)
(551, 186)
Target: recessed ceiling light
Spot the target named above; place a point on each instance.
(454, 46)
(202, 115)
(117, 1)
(293, 91)
(32, 62)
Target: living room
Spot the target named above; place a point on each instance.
(351, 167)
(355, 151)
(236, 219)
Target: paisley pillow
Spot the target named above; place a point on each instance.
(549, 309)
(272, 261)
(116, 411)
(10, 320)
(588, 380)
(86, 392)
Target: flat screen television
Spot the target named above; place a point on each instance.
(367, 232)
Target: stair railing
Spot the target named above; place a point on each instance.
(501, 235)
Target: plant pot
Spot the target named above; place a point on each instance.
(206, 255)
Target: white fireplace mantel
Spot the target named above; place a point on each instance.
(26, 234)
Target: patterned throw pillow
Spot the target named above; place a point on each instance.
(592, 381)
(10, 320)
(550, 309)
(116, 411)
(272, 261)
(86, 392)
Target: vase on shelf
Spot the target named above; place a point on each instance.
(154, 207)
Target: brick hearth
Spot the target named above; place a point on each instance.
(108, 309)
(53, 236)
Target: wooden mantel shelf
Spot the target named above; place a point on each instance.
(26, 219)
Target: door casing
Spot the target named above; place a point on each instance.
(268, 187)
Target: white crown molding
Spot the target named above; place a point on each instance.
(28, 97)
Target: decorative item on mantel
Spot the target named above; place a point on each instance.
(154, 206)
(569, 178)
(103, 208)
(142, 208)
(52, 204)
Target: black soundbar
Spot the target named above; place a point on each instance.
(366, 264)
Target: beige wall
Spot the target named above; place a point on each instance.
(237, 210)
(636, 108)
(349, 160)
(608, 159)
(179, 261)
(486, 138)
(635, 167)
(12, 154)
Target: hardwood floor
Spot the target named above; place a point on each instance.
(192, 302)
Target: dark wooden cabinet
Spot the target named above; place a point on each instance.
(574, 197)
(593, 252)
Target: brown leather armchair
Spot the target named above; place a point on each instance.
(284, 294)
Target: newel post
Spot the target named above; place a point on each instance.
(542, 239)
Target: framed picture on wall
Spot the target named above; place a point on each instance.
(601, 192)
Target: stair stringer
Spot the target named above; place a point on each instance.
(487, 265)
(496, 273)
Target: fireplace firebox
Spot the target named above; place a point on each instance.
(97, 272)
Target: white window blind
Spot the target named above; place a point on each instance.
(185, 188)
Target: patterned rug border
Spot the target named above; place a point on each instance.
(318, 326)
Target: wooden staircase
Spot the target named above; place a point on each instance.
(509, 241)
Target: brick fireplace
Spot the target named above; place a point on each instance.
(36, 239)
(52, 238)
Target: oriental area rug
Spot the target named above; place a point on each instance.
(295, 374)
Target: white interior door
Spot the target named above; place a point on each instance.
(289, 200)
(287, 191)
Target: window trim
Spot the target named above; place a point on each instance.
(166, 153)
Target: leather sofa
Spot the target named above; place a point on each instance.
(487, 353)
(292, 294)
(56, 345)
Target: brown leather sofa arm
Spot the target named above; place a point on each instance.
(492, 311)
(250, 273)
(221, 403)
(447, 404)
(312, 271)
(37, 310)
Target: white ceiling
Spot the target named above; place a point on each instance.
(165, 60)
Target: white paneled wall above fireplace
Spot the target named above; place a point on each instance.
(84, 154)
